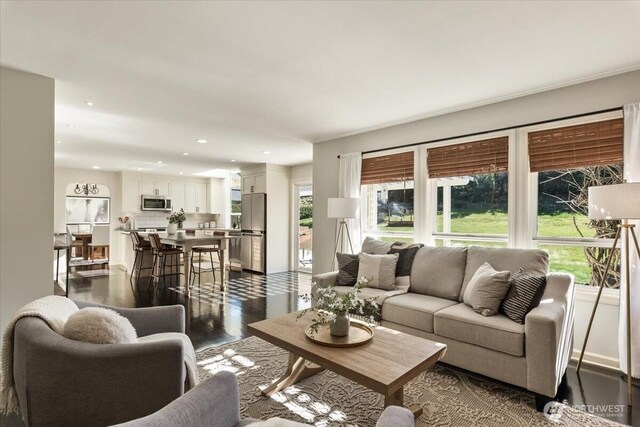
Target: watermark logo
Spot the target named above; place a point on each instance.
(553, 410)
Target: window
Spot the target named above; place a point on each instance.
(565, 162)
(471, 183)
(387, 197)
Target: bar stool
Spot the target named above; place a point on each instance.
(160, 255)
(67, 248)
(140, 246)
(203, 250)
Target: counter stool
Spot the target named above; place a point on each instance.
(160, 255)
(139, 247)
(203, 250)
(67, 248)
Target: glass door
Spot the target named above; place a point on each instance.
(304, 226)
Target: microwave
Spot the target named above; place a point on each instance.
(155, 203)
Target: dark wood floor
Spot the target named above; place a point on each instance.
(216, 318)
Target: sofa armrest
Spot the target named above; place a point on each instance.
(396, 416)
(114, 382)
(213, 403)
(324, 280)
(549, 335)
(149, 320)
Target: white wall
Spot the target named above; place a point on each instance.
(26, 189)
(591, 96)
(65, 176)
(302, 173)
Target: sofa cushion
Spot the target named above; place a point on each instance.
(414, 310)
(375, 247)
(461, 323)
(486, 290)
(347, 269)
(533, 261)
(380, 295)
(438, 271)
(379, 269)
(407, 253)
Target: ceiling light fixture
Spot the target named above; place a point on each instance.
(201, 141)
(89, 103)
(139, 169)
(266, 152)
(159, 162)
(179, 173)
(86, 188)
(96, 167)
(59, 142)
(185, 154)
(233, 160)
(71, 126)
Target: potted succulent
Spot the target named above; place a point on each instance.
(175, 221)
(333, 308)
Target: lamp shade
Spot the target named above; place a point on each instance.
(620, 201)
(342, 207)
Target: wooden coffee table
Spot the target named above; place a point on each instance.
(384, 364)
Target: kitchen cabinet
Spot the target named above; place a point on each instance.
(255, 183)
(155, 186)
(196, 197)
(178, 196)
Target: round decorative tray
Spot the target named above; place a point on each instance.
(359, 333)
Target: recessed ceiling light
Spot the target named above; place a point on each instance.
(201, 141)
(96, 167)
(139, 169)
(59, 142)
(159, 161)
(71, 126)
(266, 152)
(233, 160)
(179, 173)
(89, 103)
(185, 154)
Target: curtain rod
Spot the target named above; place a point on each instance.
(449, 138)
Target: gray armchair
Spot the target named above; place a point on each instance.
(62, 382)
(215, 403)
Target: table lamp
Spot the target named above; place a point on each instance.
(616, 202)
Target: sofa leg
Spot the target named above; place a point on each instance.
(542, 400)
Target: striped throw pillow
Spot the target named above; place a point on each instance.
(523, 296)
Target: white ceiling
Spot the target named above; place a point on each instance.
(277, 76)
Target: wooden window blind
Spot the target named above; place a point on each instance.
(571, 147)
(388, 168)
(470, 158)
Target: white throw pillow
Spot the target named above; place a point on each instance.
(486, 289)
(99, 326)
(379, 269)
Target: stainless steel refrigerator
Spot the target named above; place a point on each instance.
(253, 247)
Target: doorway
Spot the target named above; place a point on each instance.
(304, 226)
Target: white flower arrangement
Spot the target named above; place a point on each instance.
(330, 304)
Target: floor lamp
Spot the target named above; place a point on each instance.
(616, 202)
(342, 208)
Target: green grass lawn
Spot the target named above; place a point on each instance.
(563, 258)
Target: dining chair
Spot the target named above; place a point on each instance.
(100, 237)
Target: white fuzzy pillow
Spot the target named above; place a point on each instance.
(99, 326)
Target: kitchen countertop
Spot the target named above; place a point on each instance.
(143, 230)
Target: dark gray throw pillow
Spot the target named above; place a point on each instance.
(406, 252)
(523, 296)
(348, 265)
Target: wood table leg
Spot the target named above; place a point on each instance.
(397, 399)
(297, 370)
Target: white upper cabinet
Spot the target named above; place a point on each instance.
(190, 197)
(153, 186)
(202, 197)
(254, 183)
(178, 196)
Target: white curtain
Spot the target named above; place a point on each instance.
(631, 174)
(349, 186)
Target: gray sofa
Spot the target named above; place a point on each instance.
(215, 403)
(533, 356)
(62, 382)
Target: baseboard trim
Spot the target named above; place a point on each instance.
(598, 360)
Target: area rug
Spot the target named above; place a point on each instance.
(449, 397)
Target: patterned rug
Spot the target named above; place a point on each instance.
(449, 397)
